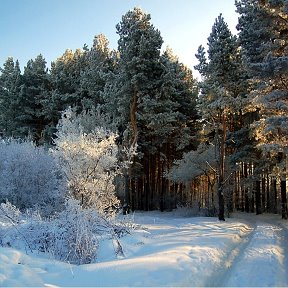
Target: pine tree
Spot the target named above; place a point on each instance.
(221, 94)
(133, 82)
(34, 90)
(151, 98)
(66, 88)
(10, 83)
(99, 62)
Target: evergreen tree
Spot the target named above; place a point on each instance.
(66, 89)
(99, 62)
(10, 83)
(34, 90)
(221, 94)
(134, 82)
(151, 98)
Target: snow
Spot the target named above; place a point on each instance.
(169, 251)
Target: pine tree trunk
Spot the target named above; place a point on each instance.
(263, 193)
(258, 198)
(246, 191)
(133, 141)
(160, 179)
(268, 194)
(284, 198)
(221, 170)
(252, 206)
(126, 206)
(274, 189)
(221, 200)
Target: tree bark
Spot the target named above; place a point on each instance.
(133, 141)
(263, 193)
(284, 199)
(274, 189)
(221, 170)
(221, 200)
(258, 198)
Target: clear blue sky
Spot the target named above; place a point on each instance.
(49, 27)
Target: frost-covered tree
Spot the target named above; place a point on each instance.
(65, 75)
(34, 90)
(29, 177)
(173, 112)
(139, 50)
(88, 159)
(221, 95)
(151, 99)
(10, 84)
(263, 38)
(133, 84)
(99, 62)
(193, 164)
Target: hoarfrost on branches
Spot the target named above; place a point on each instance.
(29, 176)
(89, 161)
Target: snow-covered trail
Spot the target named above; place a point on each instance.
(174, 251)
(260, 260)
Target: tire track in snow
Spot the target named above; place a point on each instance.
(284, 244)
(260, 261)
(222, 272)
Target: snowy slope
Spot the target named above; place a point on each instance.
(171, 251)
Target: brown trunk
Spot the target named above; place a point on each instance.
(268, 194)
(274, 189)
(263, 193)
(133, 141)
(283, 198)
(221, 200)
(221, 171)
(258, 198)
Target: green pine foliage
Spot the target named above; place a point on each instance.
(10, 86)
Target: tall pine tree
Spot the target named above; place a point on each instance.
(221, 94)
(10, 84)
(34, 90)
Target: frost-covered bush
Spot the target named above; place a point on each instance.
(29, 176)
(88, 159)
(72, 235)
(75, 234)
(9, 213)
(193, 164)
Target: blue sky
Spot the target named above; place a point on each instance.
(49, 27)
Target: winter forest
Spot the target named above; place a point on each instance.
(105, 132)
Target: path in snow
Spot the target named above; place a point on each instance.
(174, 251)
(261, 258)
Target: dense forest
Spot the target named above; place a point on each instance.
(216, 145)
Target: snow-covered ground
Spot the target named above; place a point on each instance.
(170, 251)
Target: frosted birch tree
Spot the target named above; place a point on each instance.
(88, 159)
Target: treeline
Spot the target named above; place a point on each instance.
(220, 143)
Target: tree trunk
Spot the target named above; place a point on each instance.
(126, 206)
(133, 141)
(221, 200)
(274, 189)
(263, 193)
(252, 208)
(283, 198)
(268, 194)
(221, 170)
(258, 198)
